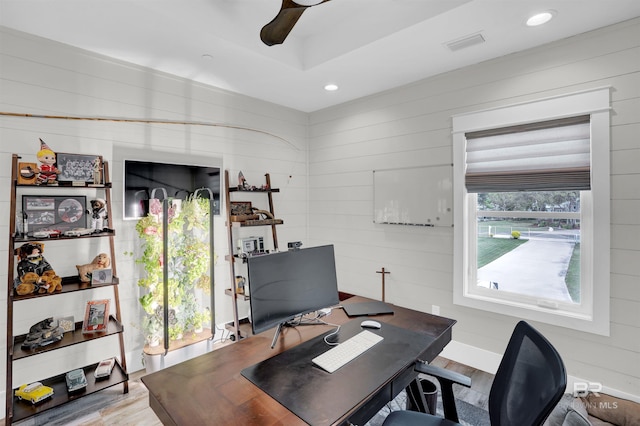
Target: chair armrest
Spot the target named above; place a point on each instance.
(446, 378)
(442, 373)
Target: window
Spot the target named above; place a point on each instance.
(531, 193)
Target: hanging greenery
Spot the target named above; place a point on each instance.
(188, 260)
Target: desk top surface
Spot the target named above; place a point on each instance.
(210, 389)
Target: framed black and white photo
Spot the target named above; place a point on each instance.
(101, 276)
(59, 213)
(96, 316)
(79, 168)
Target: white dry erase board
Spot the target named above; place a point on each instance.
(420, 196)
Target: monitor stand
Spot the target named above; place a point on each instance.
(289, 324)
(277, 334)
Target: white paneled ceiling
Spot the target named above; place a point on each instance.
(363, 46)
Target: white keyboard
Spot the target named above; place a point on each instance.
(346, 351)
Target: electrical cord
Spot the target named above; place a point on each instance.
(333, 333)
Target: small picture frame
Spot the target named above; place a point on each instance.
(96, 316)
(79, 168)
(67, 323)
(241, 208)
(101, 276)
(60, 213)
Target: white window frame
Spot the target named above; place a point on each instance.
(593, 313)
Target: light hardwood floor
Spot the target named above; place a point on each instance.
(109, 407)
(112, 407)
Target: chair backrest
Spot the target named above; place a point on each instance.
(529, 382)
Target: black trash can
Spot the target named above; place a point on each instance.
(422, 396)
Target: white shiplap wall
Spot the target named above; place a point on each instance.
(38, 76)
(332, 200)
(411, 126)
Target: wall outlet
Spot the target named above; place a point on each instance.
(435, 309)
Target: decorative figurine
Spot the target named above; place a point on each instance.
(43, 333)
(35, 274)
(31, 260)
(101, 261)
(97, 171)
(99, 217)
(48, 171)
(242, 182)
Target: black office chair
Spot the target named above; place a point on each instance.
(529, 383)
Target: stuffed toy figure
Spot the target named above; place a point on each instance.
(48, 171)
(101, 261)
(31, 259)
(35, 274)
(31, 283)
(99, 217)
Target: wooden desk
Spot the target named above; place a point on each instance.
(209, 389)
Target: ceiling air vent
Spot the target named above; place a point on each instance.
(463, 43)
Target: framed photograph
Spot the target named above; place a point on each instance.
(101, 276)
(54, 212)
(241, 208)
(241, 211)
(79, 168)
(96, 316)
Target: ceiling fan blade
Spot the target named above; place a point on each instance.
(276, 31)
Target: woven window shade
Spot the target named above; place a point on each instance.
(548, 156)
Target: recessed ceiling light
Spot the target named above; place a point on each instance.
(540, 18)
(331, 87)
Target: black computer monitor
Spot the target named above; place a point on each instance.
(288, 284)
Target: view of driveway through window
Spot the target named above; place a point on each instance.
(529, 243)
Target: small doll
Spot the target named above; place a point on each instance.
(48, 171)
(97, 171)
(242, 182)
(99, 219)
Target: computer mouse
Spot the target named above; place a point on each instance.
(370, 324)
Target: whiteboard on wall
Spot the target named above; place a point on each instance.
(420, 196)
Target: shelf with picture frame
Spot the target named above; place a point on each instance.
(54, 213)
(80, 169)
(242, 214)
(69, 284)
(51, 198)
(59, 212)
(69, 338)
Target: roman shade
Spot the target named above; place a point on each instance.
(546, 156)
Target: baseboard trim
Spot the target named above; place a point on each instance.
(477, 358)
(484, 360)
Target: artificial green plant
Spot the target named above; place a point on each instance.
(188, 258)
